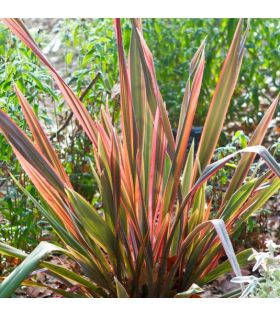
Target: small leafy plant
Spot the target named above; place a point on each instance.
(156, 233)
(268, 266)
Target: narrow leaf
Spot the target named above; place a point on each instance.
(221, 98)
(245, 162)
(121, 291)
(12, 282)
(41, 140)
(95, 226)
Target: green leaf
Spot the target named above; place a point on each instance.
(257, 200)
(225, 267)
(187, 173)
(56, 270)
(68, 58)
(93, 223)
(121, 291)
(222, 233)
(21, 272)
(237, 200)
(221, 98)
(246, 161)
(8, 250)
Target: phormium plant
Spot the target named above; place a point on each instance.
(156, 233)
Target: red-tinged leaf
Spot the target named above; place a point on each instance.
(144, 225)
(42, 142)
(191, 95)
(208, 172)
(161, 235)
(206, 216)
(156, 171)
(130, 134)
(221, 99)
(138, 89)
(20, 142)
(183, 137)
(104, 139)
(225, 267)
(49, 194)
(187, 172)
(152, 90)
(116, 193)
(106, 120)
(115, 170)
(222, 233)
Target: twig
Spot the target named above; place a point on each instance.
(85, 92)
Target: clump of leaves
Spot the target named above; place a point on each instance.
(155, 234)
(87, 52)
(268, 266)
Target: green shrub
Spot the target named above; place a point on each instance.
(173, 42)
